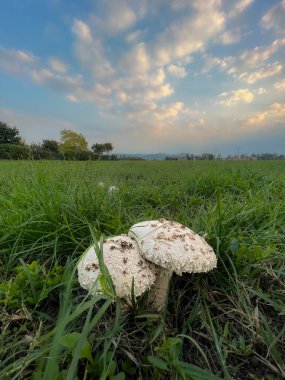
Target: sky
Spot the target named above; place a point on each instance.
(149, 76)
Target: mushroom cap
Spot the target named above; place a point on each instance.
(112, 189)
(125, 264)
(173, 246)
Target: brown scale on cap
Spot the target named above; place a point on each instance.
(124, 271)
(173, 248)
(92, 266)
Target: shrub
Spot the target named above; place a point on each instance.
(38, 152)
(79, 155)
(14, 152)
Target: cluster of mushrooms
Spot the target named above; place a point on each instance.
(145, 260)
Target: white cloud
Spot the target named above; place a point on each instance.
(188, 35)
(120, 19)
(280, 85)
(122, 97)
(274, 18)
(82, 31)
(263, 73)
(168, 111)
(136, 74)
(137, 109)
(177, 71)
(117, 16)
(178, 40)
(177, 5)
(248, 60)
(52, 76)
(243, 95)
(135, 36)
(205, 4)
(24, 56)
(229, 37)
(72, 98)
(96, 94)
(57, 82)
(157, 92)
(16, 61)
(239, 7)
(58, 65)
(91, 54)
(137, 60)
(211, 61)
(260, 91)
(275, 114)
(253, 58)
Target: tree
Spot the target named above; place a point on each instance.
(101, 148)
(51, 145)
(108, 147)
(71, 140)
(9, 135)
(97, 148)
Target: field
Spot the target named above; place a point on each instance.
(228, 324)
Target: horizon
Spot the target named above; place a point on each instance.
(175, 76)
(184, 154)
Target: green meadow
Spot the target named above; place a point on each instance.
(227, 324)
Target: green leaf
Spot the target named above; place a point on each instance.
(119, 376)
(196, 373)
(70, 341)
(157, 362)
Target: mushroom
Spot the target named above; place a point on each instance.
(112, 189)
(125, 264)
(173, 248)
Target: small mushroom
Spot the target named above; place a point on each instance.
(121, 256)
(173, 248)
(113, 189)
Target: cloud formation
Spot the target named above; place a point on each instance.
(177, 71)
(274, 18)
(159, 65)
(263, 73)
(275, 114)
(280, 85)
(243, 95)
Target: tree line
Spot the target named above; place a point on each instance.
(72, 146)
(242, 157)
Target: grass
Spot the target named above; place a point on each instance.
(228, 324)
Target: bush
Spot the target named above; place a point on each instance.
(79, 155)
(14, 152)
(40, 153)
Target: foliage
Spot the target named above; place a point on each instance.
(31, 285)
(79, 155)
(51, 145)
(38, 152)
(101, 148)
(9, 135)
(14, 152)
(71, 140)
(227, 324)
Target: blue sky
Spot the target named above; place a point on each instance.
(149, 76)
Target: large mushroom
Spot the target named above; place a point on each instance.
(127, 268)
(173, 248)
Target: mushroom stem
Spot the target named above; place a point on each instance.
(157, 296)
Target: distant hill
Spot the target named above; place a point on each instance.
(151, 156)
